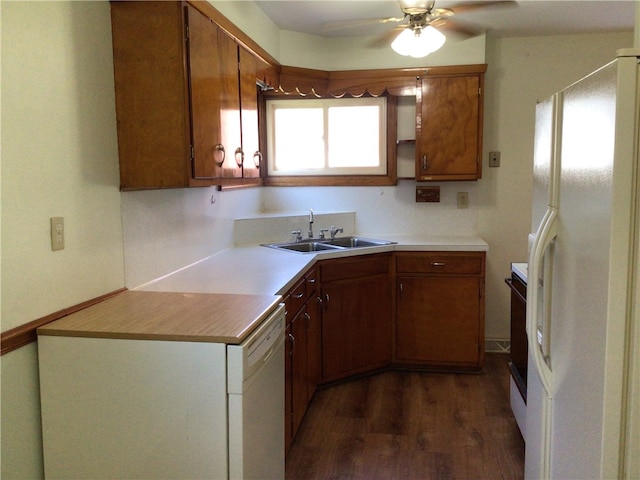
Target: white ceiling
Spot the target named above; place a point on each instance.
(527, 18)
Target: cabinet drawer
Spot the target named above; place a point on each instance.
(469, 263)
(354, 267)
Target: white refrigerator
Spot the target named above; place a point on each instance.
(583, 272)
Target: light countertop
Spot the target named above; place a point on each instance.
(268, 271)
(222, 298)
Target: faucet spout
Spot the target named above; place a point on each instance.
(333, 231)
(310, 223)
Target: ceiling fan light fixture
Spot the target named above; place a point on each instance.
(418, 42)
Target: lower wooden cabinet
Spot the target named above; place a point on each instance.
(340, 319)
(440, 309)
(303, 352)
(356, 316)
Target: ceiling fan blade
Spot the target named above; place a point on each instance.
(383, 41)
(469, 6)
(339, 25)
(451, 26)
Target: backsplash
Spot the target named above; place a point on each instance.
(165, 230)
(272, 227)
(384, 210)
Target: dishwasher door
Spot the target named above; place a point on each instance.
(256, 402)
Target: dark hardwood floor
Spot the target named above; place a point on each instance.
(411, 425)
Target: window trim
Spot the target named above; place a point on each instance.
(390, 178)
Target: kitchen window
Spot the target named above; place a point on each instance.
(323, 141)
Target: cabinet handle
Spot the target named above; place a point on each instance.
(257, 155)
(298, 295)
(239, 154)
(319, 300)
(292, 339)
(425, 164)
(438, 264)
(308, 318)
(219, 148)
(311, 280)
(326, 301)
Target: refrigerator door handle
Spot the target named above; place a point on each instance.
(539, 350)
(542, 242)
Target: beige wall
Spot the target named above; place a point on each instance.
(521, 71)
(59, 158)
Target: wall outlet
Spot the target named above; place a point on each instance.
(57, 233)
(494, 159)
(463, 199)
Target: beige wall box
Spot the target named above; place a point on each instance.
(427, 194)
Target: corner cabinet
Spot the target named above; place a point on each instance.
(356, 316)
(179, 99)
(440, 309)
(449, 110)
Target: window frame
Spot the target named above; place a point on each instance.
(390, 178)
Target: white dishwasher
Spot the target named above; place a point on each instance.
(255, 384)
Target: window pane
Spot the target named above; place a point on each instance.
(299, 142)
(354, 136)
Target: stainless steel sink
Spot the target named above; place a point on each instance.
(321, 245)
(304, 247)
(358, 242)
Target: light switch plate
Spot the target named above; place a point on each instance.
(463, 199)
(57, 233)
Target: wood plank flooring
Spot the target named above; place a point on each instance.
(411, 425)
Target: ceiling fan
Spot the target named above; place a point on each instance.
(421, 24)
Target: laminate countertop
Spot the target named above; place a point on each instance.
(262, 270)
(170, 316)
(222, 298)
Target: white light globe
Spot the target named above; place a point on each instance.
(418, 43)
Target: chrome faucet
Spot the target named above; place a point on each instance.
(310, 223)
(333, 231)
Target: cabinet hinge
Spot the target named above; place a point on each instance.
(193, 154)
(186, 32)
(479, 90)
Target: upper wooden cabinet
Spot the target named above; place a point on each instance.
(251, 153)
(182, 87)
(449, 126)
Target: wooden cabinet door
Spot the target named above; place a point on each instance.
(356, 326)
(438, 320)
(229, 94)
(298, 369)
(448, 128)
(205, 101)
(288, 410)
(252, 156)
(151, 92)
(314, 345)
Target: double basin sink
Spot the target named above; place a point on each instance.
(319, 245)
